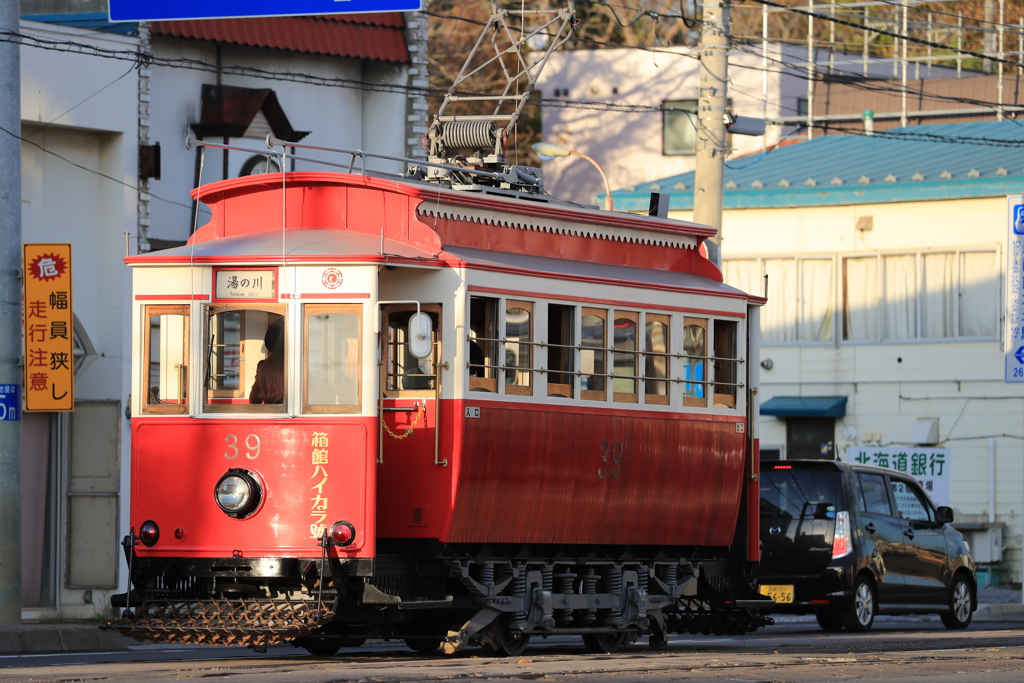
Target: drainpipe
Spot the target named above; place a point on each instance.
(991, 480)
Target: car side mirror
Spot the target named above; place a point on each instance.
(944, 515)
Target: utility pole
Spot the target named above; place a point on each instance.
(711, 109)
(10, 316)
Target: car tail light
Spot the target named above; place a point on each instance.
(782, 467)
(149, 533)
(842, 543)
(343, 533)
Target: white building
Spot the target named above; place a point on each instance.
(105, 168)
(885, 324)
(634, 140)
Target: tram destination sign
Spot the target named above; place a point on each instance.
(156, 10)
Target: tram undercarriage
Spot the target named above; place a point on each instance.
(442, 601)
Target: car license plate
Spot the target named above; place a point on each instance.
(780, 594)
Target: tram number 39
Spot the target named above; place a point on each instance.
(611, 456)
(252, 446)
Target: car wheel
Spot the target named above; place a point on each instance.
(861, 614)
(961, 604)
(830, 621)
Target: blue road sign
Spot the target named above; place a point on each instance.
(10, 402)
(154, 10)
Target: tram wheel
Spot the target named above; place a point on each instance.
(605, 643)
(319, 646)
(507, 643)
(423, 646)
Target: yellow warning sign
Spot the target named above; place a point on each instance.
(49, 328)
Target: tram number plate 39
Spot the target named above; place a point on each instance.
(780, 594)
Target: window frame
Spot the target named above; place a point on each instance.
(636, 377)
(602, 349)
(527, 370)
(148, 313)
(490, 343)
(386, 312)
(210, 310)
(666, 398)
(309, 311)
(695, 401)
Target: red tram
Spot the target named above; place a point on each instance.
(444, 408)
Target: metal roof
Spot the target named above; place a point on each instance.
(915, 163)
(365, 36)
(805, 406)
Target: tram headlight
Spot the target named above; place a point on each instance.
(238, 493)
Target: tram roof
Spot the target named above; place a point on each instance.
(307, 245)
(587, 273)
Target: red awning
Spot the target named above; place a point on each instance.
(362, 36)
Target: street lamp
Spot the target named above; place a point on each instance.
(546, 151)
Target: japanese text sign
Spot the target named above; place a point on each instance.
(929, 466)
(153, 10)
(10, 402)
(1015, 291)
(49, 328)
(256, 284)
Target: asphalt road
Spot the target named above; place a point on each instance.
(896, 650)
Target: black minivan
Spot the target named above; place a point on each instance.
(846, 542)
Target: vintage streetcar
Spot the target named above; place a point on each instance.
(440, 407)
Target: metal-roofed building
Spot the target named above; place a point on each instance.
(886, 259)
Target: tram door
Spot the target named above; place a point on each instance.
(409, 459)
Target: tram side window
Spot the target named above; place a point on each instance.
(518, 347)
(333, 367)
(624, 367)
(483, 344)
(404, 371)
(726, 372)
(166, 366)
(656, 359)
(695, 348)
(561, 350)
(593, 342)
(244, 359)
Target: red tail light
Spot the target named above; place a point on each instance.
(149, 533)
(842, 543)
(343, 533)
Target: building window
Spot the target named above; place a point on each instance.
(801, 106)
(679, 127)
(881, 297)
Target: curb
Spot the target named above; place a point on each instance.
(999, 612)
(54, 638)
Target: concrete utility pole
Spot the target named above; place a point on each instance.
(709, 176)
(10, 316)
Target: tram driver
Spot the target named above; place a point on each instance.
(269, 384)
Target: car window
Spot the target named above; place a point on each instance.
(799, 494)
(911, 501)
(873, 498)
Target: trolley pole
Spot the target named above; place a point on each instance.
(10, 317)
(711, 109)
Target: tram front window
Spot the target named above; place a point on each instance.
(244, 358)
(333, 368)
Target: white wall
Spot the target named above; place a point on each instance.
(891, 384)
(83, 111)
(340, 117)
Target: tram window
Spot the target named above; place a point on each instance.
(483, 344)
(561, 350)
(333, 366)
(244, 359)
(518, 347)
(624, 366)
(695, 350)
(725, 364)
(166, 354)
(593, 342)
(656, 359)
(405, 372)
